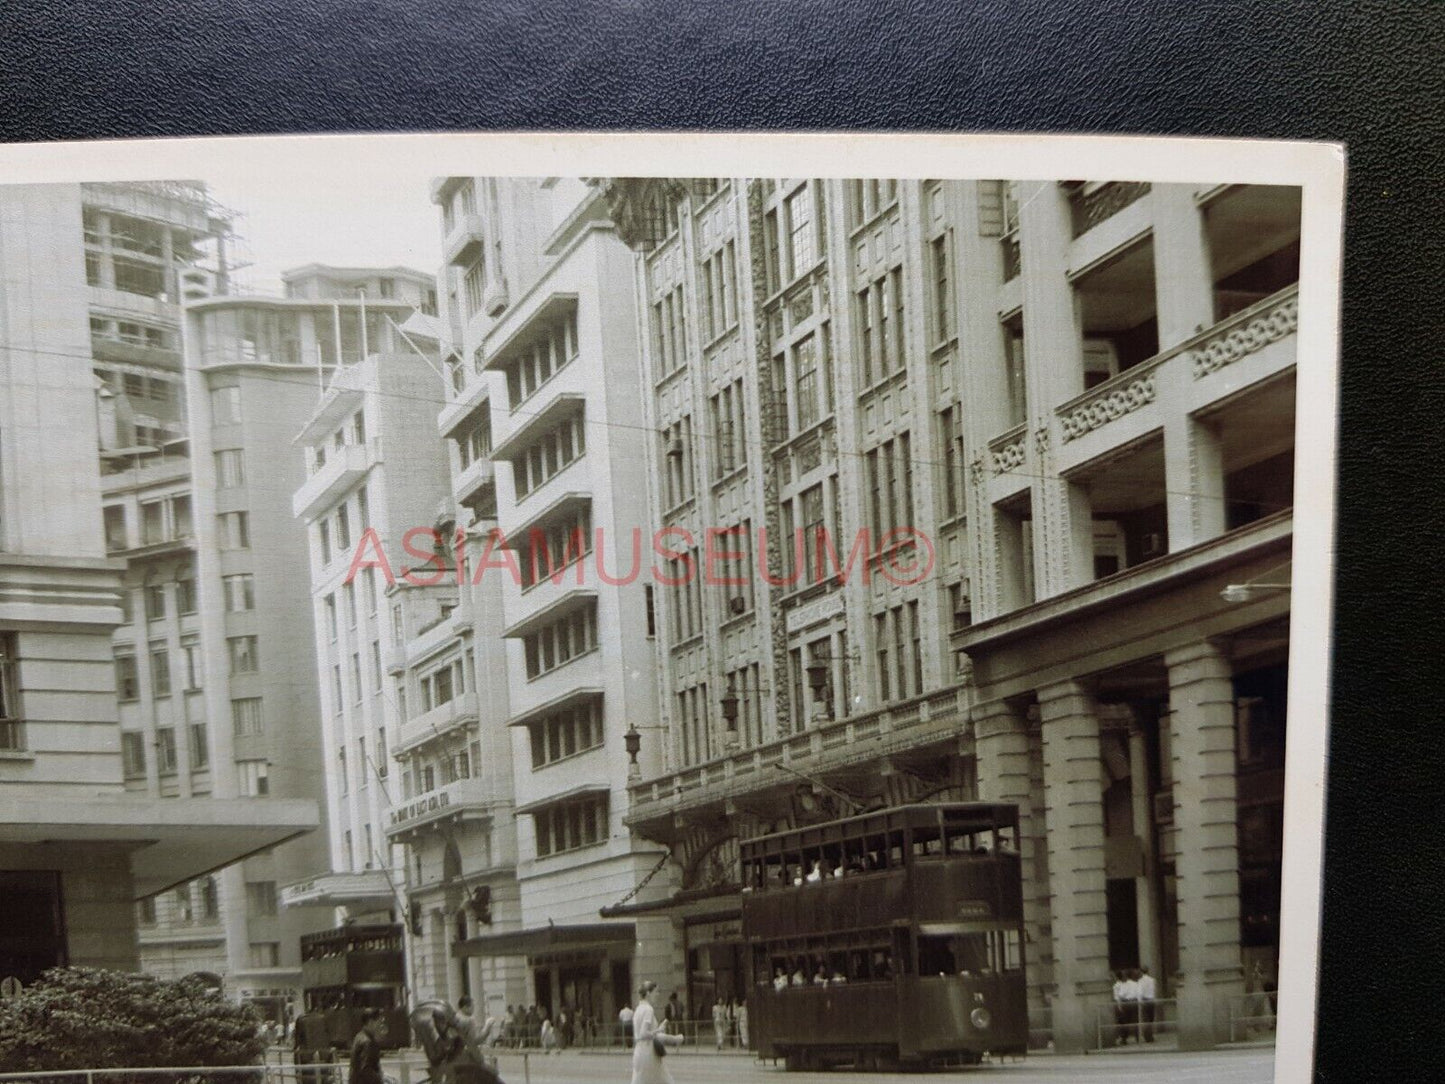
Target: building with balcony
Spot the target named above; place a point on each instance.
(259, 370)
(88, 844)
(544, 426)
(1063, 415)
(374, 471)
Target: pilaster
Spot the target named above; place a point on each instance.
(1006, 748)
(1074, 811)
(1183, 283)
(1202, 733)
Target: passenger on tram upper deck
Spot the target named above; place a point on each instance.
(799, 978)
(820, 977)
(780, 979)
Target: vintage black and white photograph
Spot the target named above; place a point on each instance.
(559, 609)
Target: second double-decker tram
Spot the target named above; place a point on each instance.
(888, 938)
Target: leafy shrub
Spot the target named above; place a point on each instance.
(87, 1017)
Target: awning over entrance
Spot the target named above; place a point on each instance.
(171, 840)
(363, 889)
(595, 936)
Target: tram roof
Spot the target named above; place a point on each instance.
(995, 814)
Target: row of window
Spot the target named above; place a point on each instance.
(198, 901)
(792, 243)
(729, 430)
(156, 389)
(476, 443)
(337, 695)
(561, 641)
(557, 546)
(571, 826)
(694, 724)
(421, 776)
(341, 520)
(167, 519)
(676, 462)
(550, 454)
(533, 365)
(133, 754)
(889, 469)
(348, 598)
(566, 733)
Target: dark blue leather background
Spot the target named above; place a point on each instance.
(1367, 73)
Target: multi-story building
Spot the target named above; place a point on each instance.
(79, 844)
(987, 396)
(546, 414)
(255, 369)
(374, 470)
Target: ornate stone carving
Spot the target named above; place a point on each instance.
(1009, 457)
(644, 209)
(975, 470)
(1041, 439)
(1241, 340)
(1104, 408)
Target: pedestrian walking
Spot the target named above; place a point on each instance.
(652, 1041)
(742, 1017)
(624, 1023)
(719, 1022)
(547, 1035)
(366, 1049)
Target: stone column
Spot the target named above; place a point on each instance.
(1193, 481)
(1145, 890)
(1201, 699)
(1074, 812)
(1054, 369)
(1183, 281)
(1005, 756)
(106, 256)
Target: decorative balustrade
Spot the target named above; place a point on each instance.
(1121, 395)
(1093, 205)
(834, 743)
(1007, 450)
(1246, 332)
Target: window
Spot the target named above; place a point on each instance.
(200, 747)
(718, 287)
(890, 488)
(695, 724)
(356, 677)
(166, 750)
(127, 683)
(812, 383)
(343, 528)
(566, 733)
(868, 198)
(381, 757)
(950, 435)
(557, 546)
(669, 332)
(745, 684)
(114, 516)
(235, 530)
(160, 671)
(475, 444)
(685, 575)
(552, 349)
(474, 282)
(261, 897)
(341, 770)
(146, 911)
(338, 697)
(734, 575)
(561, 641)
(329, 608)
(244, 654)
(897, 640)
(801, 237)
(240, 592)
(376, 665)
(210, 899)
(12, 721)
(880, 323)
(186, 591)
(677, 462)
(133, 753)
(348, 595)
(195, 666)
(552, 452)
(166, 520)
(155, 599)
(181, 901)
(226, 405)
(571, 826)
(728, 430)
(323, 538)
(247, 720)
(942, 297)
(651, 601)
(251, 776)
(265, 954)
(230, 468)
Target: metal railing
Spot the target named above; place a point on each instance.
(1251, 1016)
(1136, 1022)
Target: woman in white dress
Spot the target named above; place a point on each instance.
(647, 1065)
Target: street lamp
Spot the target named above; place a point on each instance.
(632, 742)
(1244, 592)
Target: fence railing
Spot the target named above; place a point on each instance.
(1125, 1022)
(1251, 1015)
(695, 1033)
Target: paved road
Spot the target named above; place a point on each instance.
(688, 1067)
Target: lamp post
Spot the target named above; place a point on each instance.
(1244, 592)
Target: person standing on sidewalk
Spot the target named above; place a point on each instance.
(1146, 1003)
(742, 1018)
(652, 1041)
(719, 1022)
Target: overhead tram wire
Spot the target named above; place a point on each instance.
(763, 447)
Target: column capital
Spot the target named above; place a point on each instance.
(1199, 652)
(1061, 690)
(993, 717)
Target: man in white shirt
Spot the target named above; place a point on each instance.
(1131, 1005)
(1146, 1004)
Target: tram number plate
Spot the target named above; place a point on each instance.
(975, 909)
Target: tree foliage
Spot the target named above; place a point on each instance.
(86, 1017)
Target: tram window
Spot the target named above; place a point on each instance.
(960, 840)
(1011, 950)
(880, 965)
(1008, 840)
(972, 952)
(935, 955)
(876, 856)
(926, 842)
(895, 849)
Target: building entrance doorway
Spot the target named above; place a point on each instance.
(32, 938)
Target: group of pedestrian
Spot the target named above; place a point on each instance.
(1134, 995)
(730, 1022)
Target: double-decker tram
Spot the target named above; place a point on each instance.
(889, 938)
(346, 970)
